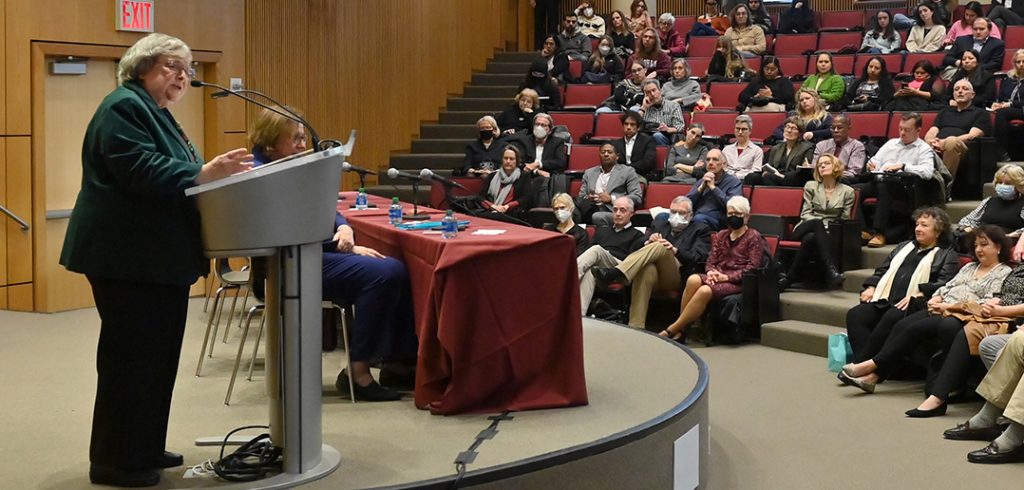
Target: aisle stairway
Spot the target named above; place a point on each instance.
(441, 145)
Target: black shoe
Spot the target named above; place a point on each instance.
(784, 281)
(990, 455)
(923, 414)
(102, 475)
(608, 276)
(964, 432)
(169, 460)
(833, 278)
(400, 382)
(372, 392)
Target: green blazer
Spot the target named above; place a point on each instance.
(132, 220)
(831, 90)
(818, 206)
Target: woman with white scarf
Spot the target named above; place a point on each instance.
(915, 269)
(507, 192)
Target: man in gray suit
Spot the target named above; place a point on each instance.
(604, 183)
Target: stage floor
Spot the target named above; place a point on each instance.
(636, 381)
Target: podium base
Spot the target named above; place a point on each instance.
(330, 459)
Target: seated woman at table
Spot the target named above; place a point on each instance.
(1005, 209)
(483, 153)
(377, 286)
(911, 273)
(734, 250)
(563, 206)
(789, 162)
(976, 283)
(507, 193)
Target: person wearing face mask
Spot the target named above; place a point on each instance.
(519, 116)
(590, 24)
(826, 201)
(1010, 103)
(542, 153)
(538, 80)
(734, 251)
(672, 243)
(603, 66)
(574, 43)
(563, 207)
(1005, 209)
(603, 184)
(483, 155)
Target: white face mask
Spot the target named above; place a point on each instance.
(1006, 191)
(677, 221)
(604, 50)
(540, 132)
(563, 215)
(588, 12)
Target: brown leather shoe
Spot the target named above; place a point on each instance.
(964, 432)
(877, 241)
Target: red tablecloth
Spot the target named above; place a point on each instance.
(498, 317)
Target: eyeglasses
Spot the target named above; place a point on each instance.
(178, 66)
(741, 129)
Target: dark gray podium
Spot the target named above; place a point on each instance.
(283, 211)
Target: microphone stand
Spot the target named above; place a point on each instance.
(415, 216)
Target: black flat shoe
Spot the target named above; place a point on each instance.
(400, 382)
(990, 455)
(964, 432)
(372, 392)
(102, 475)
(169, 460)
(923, 414)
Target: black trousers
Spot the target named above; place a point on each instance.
(141, 331)
(869, 325)
(813, 241)
(884, 192)
(909, 333)
(545, 20)
(955, 367)
(1002, 17)
(1002, 127)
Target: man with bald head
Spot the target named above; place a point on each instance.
(603, 184)
(956, 125)
(712, 191)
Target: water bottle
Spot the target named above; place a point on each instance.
(361, 199)
(449, 226)
(395, 212)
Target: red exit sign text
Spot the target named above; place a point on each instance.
(134, 15)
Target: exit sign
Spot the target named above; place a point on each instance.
(133, 15)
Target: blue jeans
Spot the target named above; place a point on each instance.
(663, 139)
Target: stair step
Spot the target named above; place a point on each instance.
(958, 209)
(490, 104)
(498, 78)
(520, 56)
(437, 145)
(433, 161)
(506, 91)
(826, 307)
(448, 131)
(854, 279)
(462, 117)
(404, 192)
(874, 257)
(518, 67)
(798, 336)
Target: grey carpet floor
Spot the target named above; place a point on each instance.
(778, 419)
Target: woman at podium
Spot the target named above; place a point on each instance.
(135, 236)
(376, 285)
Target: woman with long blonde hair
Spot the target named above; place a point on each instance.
(810, 109)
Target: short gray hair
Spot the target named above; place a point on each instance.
(682, 199)
(667, 17)
(141, 57)
(551, 120)
(743, 118)
(632, 205)
(650, 81)
(740, 204)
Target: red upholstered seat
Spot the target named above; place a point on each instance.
(699, 67)
(701, 46)
(912, 59)
(578, 96)
(792, 65)
(833, 41)
(716, 123)
(608, 126)
(764, 124)
(584, 157)
(872, 124)
(579, 123)
(437, 198)
(574, 188)
(684, 23)
(661, 194)
(725, 95)
(661, 154)
(575, 69)
(842, 20)
(1013, 36)
(794, 44)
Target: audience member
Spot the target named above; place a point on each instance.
(735, 250)
(1002, 15)
(828, 84)
(519, 116)
(680, 88)
(882, 38)
(1010, 103)
(563, 206)
(742, 156)
(649, 54)
(603, 184)
(545, 19)
(745, 35)
(687, 157)
(769, 91)
(927, 34)
(1001, 389)
(983, 82)
(965, 26)
(627, 94)
(911, 273)
(620, 33)
(1005, 209)
(760, 16)
(713, 191)
(908, 154)
(507, 191)
(727, 63)
(826, 201)
(590, 24)
(798, 18)
(541, 82)
(671, 42)
(672, 243)
(664, 116)
(603, 66)
(636, 149)
(975, 283)
(811, 110)
(556, 61)
(639, 18)
(789, 161)
(574, 43)
(542, 153)
(613, 242)
(849, 151)
(713, 22)
(483, 154)
(956, 125)
(873, 90)
(989, 48)
(920, 94)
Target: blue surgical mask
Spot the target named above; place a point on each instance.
(1006, 191)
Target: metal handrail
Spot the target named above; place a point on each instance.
(24, 225)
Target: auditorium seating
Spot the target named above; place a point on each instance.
(583, 157)
(579, 123)
(834, 41)
(585, 97)
(871, 124)
(607, 126)
(912, 59)
(702, 46)
(843, 20)
(684, 23)
(1014, 39)
(764, 124)
(725, 95)
(795, 44)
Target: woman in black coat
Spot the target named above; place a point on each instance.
(769, 86)
(873, 90)
(920, 94)
(507, 192)
(538, 79)
(799, 18)
(983, 82)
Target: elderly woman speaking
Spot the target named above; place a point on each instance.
(135, 236)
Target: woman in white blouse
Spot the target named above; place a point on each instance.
(743, 156)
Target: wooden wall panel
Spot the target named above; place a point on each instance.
(3, 226)
(19, 179)
(19, 297)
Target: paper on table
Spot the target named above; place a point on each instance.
(488, 232)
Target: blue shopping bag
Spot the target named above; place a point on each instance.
(839, 351)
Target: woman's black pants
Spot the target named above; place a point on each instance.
(911, 332)
(869, 325)
(813, 241)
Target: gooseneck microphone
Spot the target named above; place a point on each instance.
(394, 173)
(285, 112)
(348, 167)
(429, 174)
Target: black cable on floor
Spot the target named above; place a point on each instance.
(252, 461)
(467, 457)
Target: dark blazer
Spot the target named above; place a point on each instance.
(693, 243)
(644, 153)
(555, 157)
(476, 154)
(522, 192)
(991, 53)
(514, 118)
(804, 150)
(782, 91)
(131, 220)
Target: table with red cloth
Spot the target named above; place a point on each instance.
(497, 316)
